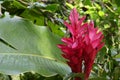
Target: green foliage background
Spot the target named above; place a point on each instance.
(52, 13)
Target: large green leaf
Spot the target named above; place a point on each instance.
(12, 63)
(27, 47)
(28, 38)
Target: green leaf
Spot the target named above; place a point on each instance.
(101, 13)
(12, 63)
(115, 73)
(97, 6)
(98, 78)
(29, 38)
(55, 28)
(70, 5)
(52, 7)
(26, 47)
(117, 56)
(87, 2)
(35, 18)
(18, 5)
(117, 2)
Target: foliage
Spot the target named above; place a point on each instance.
(25, 50)
(20, 36)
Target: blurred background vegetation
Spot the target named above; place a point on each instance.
(52, 13)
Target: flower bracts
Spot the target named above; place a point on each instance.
(82, 46)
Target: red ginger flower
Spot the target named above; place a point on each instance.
(83, 45)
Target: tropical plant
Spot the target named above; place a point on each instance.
(30, 31)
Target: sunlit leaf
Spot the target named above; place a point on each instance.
(26, 47)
